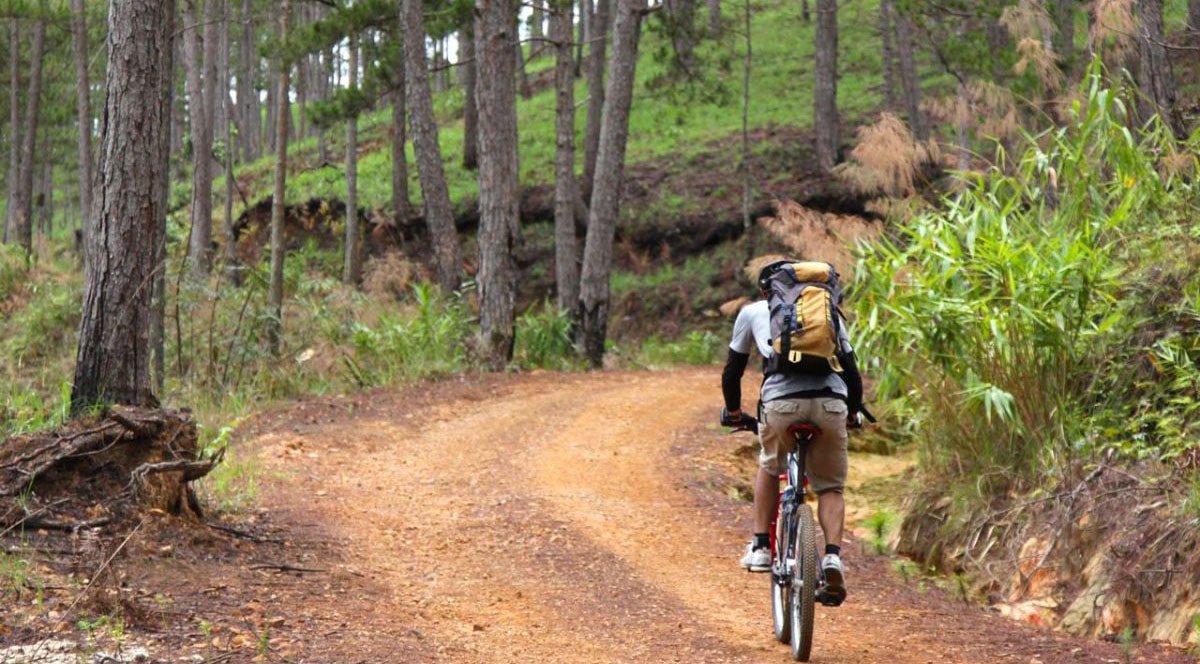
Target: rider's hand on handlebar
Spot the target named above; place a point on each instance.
(854, 421)
(738, 420)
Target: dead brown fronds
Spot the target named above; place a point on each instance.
(388, 275)
(987, 109)
(1114, 32)
(819, 236)
(756, 264)
(887, 159)
(731, 308)
(1030, 23)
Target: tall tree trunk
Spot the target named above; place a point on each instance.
(470, 65)
(250, 127)
(1064, 42)
(113, 360)
(429, 154)
(1193, 16)
(278, 204)
(498, 203)
(519, 58)
(166, 148)
(352, 269)
(566, 243)
(888, 56)
(1154, 75)
(401, 206)
(747, 70)
(714, 19)
(585, 23)
(825, 113)
(908, 77)
(201, 75)
(681, 16)
(592, 311)
(83, 104)
(22, 233)
(598, 36)
(14, 108)
(230, 257)
(537, 29)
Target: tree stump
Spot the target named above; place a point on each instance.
(93, 470)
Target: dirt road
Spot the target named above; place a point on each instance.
(563, 518)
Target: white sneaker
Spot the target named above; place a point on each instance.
(834, 592)
(757, 560)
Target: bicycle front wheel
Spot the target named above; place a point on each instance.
(804, 584)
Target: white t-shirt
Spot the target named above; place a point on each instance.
(752, 330)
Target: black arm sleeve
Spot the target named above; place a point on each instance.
(853, 380)
(731, 379)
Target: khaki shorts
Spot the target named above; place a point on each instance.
(826, 461)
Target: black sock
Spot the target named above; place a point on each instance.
(762, 540)
(834, 549)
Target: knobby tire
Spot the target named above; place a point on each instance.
(804, 584)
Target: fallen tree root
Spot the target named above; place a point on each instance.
(129, 457)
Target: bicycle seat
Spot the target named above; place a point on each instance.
(804, 430)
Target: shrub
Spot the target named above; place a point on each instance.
(996, 318)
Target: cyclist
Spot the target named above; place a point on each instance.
(831, 401)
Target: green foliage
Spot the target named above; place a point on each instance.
(12, 271)
(879, 525)
(544, 339)
(1005, 320)
(427, 339)
(696, 347)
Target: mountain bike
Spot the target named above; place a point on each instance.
(797, 583)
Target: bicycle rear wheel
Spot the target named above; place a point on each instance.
(781, 598)
(804, 584)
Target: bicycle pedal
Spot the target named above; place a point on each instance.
(831, 596)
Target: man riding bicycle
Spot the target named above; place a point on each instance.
(831, 400)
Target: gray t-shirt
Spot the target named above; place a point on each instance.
(752, 329)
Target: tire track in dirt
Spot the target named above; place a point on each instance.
(553, 518)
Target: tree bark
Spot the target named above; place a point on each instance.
(1154, 75)
(166, 148)
(825, 114)
(519, 58)
(566, 188)
(681, 16)
(1193, 14)
(14, 107)
(498, 203)
(22, 231)
(83, 104)
(352, 269)
(592, 311)
(714, 19)
(585, 22)
(250, 127)
(201, 75)
(429, 154)
(908, 77)
(275, 289)
(470, 65)
(1064, 43)
(598, 36)
(401, 207)
(113, 360)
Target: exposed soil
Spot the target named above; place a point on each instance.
(524, 518)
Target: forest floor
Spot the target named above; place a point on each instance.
(536, 517)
